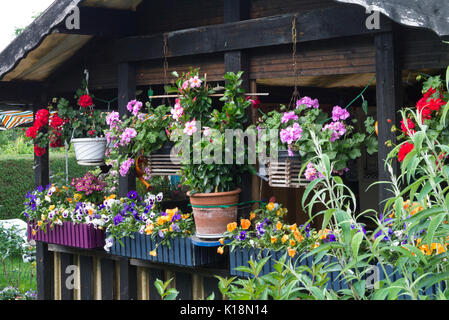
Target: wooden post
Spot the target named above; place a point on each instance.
(41, 164)
(389, 98)
(44, 273)
(107, 279)
(128, 281)
(66, 261)
(126, 93)
(235, 61)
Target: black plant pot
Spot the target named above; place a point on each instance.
(283, 156)
(166, 148)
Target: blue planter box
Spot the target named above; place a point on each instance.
(241, 256)
(182, 251)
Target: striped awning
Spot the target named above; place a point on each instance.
(13, 119)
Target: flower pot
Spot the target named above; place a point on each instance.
(283, 156)
(69, 234)
(90, 151)
(166, 149)
(211, 219)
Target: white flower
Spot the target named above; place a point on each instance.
(251, 242)
(47, 198)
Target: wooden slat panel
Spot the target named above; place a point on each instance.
(155, 274)
(86, 274)
(184, 285)
(66, 260)
(107, 279)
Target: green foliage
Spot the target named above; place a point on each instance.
(17, 178)
(165, 292)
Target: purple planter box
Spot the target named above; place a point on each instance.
(71, 235)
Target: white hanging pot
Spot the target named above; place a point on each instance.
(90, 151)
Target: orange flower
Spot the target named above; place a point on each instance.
(220, 250)
(270, 206)
(69, 200)
(291, 252)
(153, 253)
(252, 215)
(221, 241)
(279, 225)
(274, 239)
(149, 229)
(293, 227)
(245, 223)
(292, 242)
(284, 238)
(298, 236)
(232, 226)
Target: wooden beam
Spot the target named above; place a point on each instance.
(128, 281)
(255, 33)
(102, 22)
(24, 92)
(389, 97)
(126, 93)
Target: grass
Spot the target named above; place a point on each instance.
(18, 274)
(17, 178)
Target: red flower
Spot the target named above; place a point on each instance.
(91, 132)
(56, 122)
(31, 133)
(404, 151)
(39, 151)
(410, 125)
(85, 101)
(436, 104)
(254, 103)
(429, 92)
(41, 118)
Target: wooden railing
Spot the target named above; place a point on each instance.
(65, 273)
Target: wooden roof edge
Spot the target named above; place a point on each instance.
(34, 34)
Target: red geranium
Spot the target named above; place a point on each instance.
(85, 101)
(436, 104)
(39, 151)
(41, 118)
(410, 126)
(56, 122)
(405, 149)
(31, 132)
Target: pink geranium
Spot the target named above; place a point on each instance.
(134, 107)
(308, 102)
(339, 113)
(312, 173)
(289, 116)
(124, 168)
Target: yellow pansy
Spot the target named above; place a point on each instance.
(153, 253)
(284, 238)
(77, 197)
(52, 207)
(270, 206)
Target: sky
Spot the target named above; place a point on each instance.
(18, 14)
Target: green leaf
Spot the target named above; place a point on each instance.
(327, 216)
(355, 243)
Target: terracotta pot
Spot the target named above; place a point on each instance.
(211, 222)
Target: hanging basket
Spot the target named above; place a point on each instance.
(164, 162)
(284, 171)
(90, 151)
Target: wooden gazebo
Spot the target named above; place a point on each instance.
(129, 45)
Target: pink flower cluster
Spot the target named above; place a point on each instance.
(291, 134)
(127, 135)
(190, 128)
(337, 128)
(339, 113)
(126, 165)
(309, 102)
(312, 173)
(113, 120)
(134, 107)
(194, 82)
(88, 184)
(177, 111)
(289, 116)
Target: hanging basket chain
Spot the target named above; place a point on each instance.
(165, 67)
(295, 95)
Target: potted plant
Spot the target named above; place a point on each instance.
(336, 132)
(87, 129)
(213, 187)
(50, 128)
(56, 214)
(135, 137)
(139, 229)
